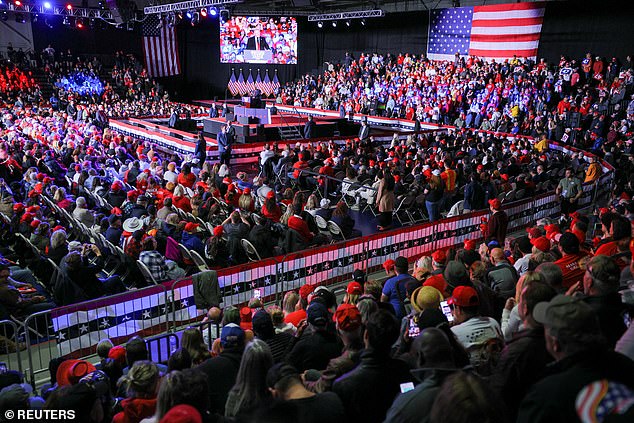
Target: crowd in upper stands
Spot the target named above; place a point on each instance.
(529, 326)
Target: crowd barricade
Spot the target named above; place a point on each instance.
(10, 345)
(160, 347)
(170, 306)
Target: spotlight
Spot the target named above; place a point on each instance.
(66, 21)
(18, 3)
(189, 14)
(203, 12)
(4, 16)
(69, 7)
(363, 22)
(47, 5)
(225, 15)
(213, 11)
(320, 24)
(195, 18)
(348, 22)
(334, 24)
(35, 18)
(20, 18)
(79, 23)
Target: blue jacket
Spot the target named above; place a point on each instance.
(192, 242)
(223, 142)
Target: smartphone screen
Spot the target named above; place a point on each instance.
(408, 386)
(444, 306)
(414, 330)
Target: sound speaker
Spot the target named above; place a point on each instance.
(122, 10)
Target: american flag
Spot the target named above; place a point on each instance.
(258, 82)
(160, 47)
(232, 85)
(241, 86)
(250, 83)
(493, 32)
(266, 84)
(276, 83)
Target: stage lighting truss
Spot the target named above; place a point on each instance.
(186, 5)
(361, 14)
(47, 8)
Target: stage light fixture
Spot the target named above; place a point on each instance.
(47, 5)
(4, 16)
(213, 11)
(189, 14)
(320, 24)
(79, 23)
(195, 18)
(348, 22)
(69, 7)
(203, 12)
(18, 3)
(225, 15)
(66, 21)
(334, 24)
(35, 18)
(363, 22)
(20, 18)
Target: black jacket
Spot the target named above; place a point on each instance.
(221, 375)
(415, 406)
(368, 391)
(521, 364)
(553, 398)
(609, 310)
(314, 350)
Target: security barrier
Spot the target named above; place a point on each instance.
(10, 346)
(74, 330)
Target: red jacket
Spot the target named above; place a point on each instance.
(135, 410)
(297, 223)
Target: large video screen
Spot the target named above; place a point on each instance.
(252, 39)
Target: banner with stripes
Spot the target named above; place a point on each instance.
(160, 48)
(232, 85)
(498, 31)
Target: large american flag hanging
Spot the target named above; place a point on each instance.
(160, 48)
(493, 32)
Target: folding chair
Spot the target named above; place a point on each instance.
(146, 273)
(252, 253)
(198, 261)
(336, 232)
(321, 224)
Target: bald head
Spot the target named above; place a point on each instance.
(434, 349)
(214, 314)
(497, 254)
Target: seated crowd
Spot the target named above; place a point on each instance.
(536, 333)
(528, 332)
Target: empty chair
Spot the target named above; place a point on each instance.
(146, 273)
(335, 230)
(252, 252)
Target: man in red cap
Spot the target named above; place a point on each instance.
(348, 324)
(192, 241)
(300, 308)
(473, 331)
(498, 223)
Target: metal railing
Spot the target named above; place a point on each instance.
(10, 345)
(173, 307)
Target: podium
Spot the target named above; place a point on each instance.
(258, 56)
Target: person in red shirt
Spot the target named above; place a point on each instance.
(296, 317)
(186, 178)
(270, 209)
(571, 263)
(297, 223)
(621, 234)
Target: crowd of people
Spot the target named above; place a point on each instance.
(512, 96)
(520, 329)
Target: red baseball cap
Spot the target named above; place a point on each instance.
(470, 244)
(436, 281)
(306, 290)
(495, 203)
(388, 265)
(270, 194)
(117, 354)
(542, 243)
(218, 230)
(464, 296)
(348, 317)
(354, 288)
(191, 226)
(439, 256)
(70, 372)
(534, 232)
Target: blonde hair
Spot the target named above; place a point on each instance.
(290, 301)
(524, 280)
(142, 379)
(60, 194)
